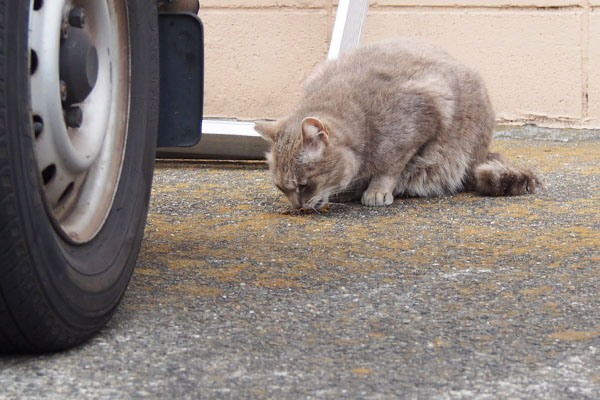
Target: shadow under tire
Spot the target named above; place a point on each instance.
(58, 289)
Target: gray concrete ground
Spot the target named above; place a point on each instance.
(458, 297)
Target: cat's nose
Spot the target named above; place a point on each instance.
(294, 200)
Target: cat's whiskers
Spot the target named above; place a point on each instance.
(337, 204)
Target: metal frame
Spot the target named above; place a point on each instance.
(231, 139)
(348, 28)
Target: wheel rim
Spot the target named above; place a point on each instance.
(80, 132)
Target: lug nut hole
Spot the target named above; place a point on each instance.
(67, 192)
(48, 173)
(33, 62)
(38, 126)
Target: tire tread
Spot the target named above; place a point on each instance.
(30, 321)
(10, 335)
(20, 294)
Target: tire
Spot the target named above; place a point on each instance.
(66, 259)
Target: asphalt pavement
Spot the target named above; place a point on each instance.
(459, 297)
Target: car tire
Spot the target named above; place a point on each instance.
(70, 231)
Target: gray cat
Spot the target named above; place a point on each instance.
(399, 118)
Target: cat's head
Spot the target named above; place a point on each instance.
(308, 161)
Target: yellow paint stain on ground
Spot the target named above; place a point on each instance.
(571, 335)
(377, 335)
(440, 343)
(362, 371)
(175, 263)
(160, 247)
(226, 273)
(589, 170)
(584, 232)
(306, 267)
(547, 156)
(197, 291)
(538, 291)
(171, 188)
(148, 271)
(277, 283)
(475, 231)
(551, 307)
(516, 210)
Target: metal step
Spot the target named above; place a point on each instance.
(222, 139)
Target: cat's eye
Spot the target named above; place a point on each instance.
(302, 187)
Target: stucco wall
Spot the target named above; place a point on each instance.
(540, 58)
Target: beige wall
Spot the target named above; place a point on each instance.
(540, 58)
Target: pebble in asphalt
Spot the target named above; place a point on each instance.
(457, 297)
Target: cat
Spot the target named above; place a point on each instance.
(397, 118)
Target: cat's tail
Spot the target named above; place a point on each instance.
(496, 177)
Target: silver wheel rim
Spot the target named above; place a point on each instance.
(80, 166)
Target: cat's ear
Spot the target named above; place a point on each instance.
(315, 136)
(269, 130)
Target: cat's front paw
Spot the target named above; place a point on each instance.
(373, 198)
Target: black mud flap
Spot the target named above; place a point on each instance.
(181, 79)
